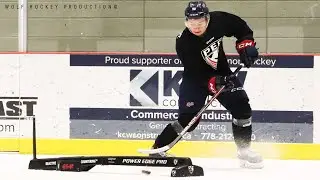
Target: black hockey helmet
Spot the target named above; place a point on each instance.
(196, 9)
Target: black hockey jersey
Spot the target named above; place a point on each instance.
(204, 57)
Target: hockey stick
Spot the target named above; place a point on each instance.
(194, 119)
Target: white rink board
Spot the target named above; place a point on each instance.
(316, 100)
(59, 86)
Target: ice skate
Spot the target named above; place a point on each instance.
(250, 159)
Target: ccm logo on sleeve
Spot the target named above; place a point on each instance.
(244, 44)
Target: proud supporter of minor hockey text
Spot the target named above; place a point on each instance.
(172, 60)
(169, 61)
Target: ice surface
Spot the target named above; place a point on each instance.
(15, 167)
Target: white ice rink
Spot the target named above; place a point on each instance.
(15, 167)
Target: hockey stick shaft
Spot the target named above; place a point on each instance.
(190, 124)
(198, 115)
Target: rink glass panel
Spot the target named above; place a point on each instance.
(9, 25)
(151, 26)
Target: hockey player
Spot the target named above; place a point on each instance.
(206, 69)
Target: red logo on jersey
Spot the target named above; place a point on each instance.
(211, 52)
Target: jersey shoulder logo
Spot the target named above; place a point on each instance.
(211, 52)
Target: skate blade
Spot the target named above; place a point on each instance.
(248, 165)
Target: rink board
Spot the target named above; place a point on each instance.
(87, 103)
(185, 148)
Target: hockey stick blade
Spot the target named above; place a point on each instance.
(194, 119)
(155, 151)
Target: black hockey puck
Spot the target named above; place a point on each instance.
(146, 172)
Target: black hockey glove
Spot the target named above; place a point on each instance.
(216, 82)
(248, 52)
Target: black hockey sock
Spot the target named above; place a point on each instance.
(166, 137)
(242, 135)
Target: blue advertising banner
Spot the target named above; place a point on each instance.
(158, 60)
